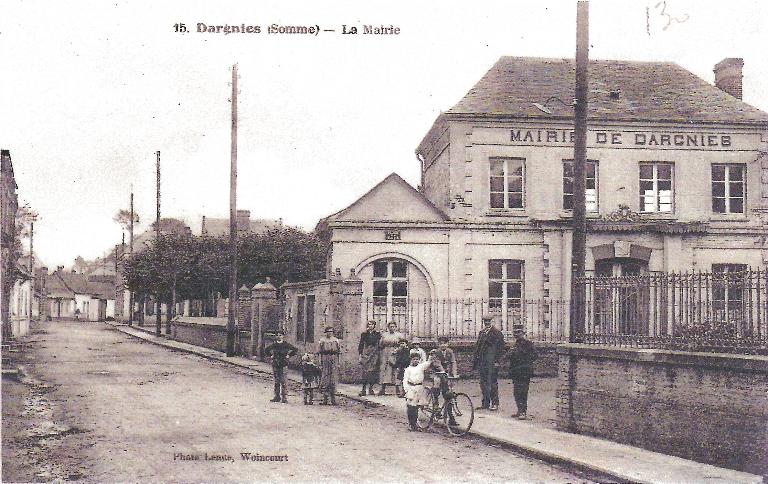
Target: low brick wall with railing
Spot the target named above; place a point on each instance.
(707, 407)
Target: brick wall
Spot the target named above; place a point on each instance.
(710, 408)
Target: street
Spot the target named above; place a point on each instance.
(97, 405)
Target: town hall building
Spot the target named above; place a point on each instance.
(676, 180)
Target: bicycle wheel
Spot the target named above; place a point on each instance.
(463, 413)
(426, 414)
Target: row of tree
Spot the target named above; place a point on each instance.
(181, 266)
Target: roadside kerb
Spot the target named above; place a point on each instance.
(619, 461)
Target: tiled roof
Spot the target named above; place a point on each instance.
(648, 91)
(67, 284)
(217, 227)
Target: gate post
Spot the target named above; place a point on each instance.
(263, 307)
(351, 326)
(243, 313)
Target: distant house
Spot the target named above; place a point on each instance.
(218, 227)
(70, 295)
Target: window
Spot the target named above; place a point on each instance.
(728, 291)
(656, 187)
(390, 290)
(310, 331)
(507, 182)
(300, 318)
(505, 291)
(305, 319)
(590, 176)
(728, 188)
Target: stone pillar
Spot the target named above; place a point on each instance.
(263, 307)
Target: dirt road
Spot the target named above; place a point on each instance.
(98, 405)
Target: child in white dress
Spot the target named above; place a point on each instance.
(413, 385)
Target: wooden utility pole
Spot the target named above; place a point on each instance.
(158, 306)
(130, 246)
(232, 302)
(579, 244)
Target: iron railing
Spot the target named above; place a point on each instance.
(695, 311)
(461, 319)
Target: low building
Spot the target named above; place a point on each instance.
(78, 296)
(219, 227)
(677, 180)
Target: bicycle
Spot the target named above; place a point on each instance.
(457, 411)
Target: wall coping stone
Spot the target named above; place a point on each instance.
(752, 363)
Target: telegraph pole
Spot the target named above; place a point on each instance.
(158, 305)
(232, 302)
(130, 246)
(579, 244)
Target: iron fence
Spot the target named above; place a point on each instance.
(461, 319)
(696, 311)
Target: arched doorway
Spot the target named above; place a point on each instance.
(621, 293)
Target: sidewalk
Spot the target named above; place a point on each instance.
(536, 437)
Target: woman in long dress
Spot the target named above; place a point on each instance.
(369, 352)
(329, 349)
(388, 344)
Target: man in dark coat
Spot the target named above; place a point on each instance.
(521, 358)
(280, 351)
(488, 353)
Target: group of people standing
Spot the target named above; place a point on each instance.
(385, 358)
(323, 377)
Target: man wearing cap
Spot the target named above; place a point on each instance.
(488, 353)
(280, 351)
(521, 357)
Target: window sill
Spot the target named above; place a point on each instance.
(725, 217)
(661, 216)
(569, 214)
(500, 212)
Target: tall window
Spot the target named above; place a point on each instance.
(390, 290)
(301, 319)
(728, 291)
(305, 318)
(728, 188)
(507, 182)
(656, 187)
(590, 176)
(505, 290)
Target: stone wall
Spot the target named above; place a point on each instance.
(211, 333)
(707, 407)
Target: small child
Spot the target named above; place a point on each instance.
(402, 359)
(416, 346)
(310, 377)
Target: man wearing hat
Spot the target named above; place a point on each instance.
(521, 357)
(329, 349)
(488, 353)
(280, 351)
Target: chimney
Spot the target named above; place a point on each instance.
(243, 220)
(728, 76)
(44, 271)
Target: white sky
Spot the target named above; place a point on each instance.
(90, 90)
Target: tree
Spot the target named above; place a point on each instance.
(123, 218)
(179, 266)
(283, 254)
